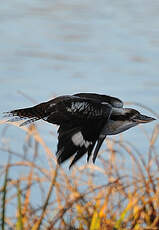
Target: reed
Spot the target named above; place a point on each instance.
(115, 195)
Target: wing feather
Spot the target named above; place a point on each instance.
(81, 118)
(84, 109)
(115, 102)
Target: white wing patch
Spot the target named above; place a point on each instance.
(78, 140)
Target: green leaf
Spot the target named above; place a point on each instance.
(4, 192)
(19, 224)
(120, 220)
(95, 223)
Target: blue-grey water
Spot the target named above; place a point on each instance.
(52, 47)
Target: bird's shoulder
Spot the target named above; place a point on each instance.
(113, 101)
(86, 107)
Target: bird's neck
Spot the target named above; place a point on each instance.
(114, 127)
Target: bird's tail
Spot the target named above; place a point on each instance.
(47, 111)
(30, 114)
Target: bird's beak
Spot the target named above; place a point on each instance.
(143, 119)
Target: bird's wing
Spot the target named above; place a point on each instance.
(63, 109)
(115, 102)
(85, 108)
(98, 145)
(81, 121)
(77, 138)
(76, 108)
(81, 128)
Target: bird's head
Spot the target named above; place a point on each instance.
(123, 119)
(136, 117)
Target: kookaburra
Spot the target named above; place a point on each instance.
(84, 120)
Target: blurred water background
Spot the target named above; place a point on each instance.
(52, 47)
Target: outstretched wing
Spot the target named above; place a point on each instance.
(79, 134)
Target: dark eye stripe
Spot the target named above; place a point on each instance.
(123, 117)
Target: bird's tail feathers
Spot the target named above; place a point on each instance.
(33, 113)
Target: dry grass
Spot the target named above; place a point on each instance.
(116, 195)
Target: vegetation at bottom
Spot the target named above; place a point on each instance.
(121, 191)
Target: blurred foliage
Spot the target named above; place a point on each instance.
(127, 197)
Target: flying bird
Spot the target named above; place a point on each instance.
(84, 120)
